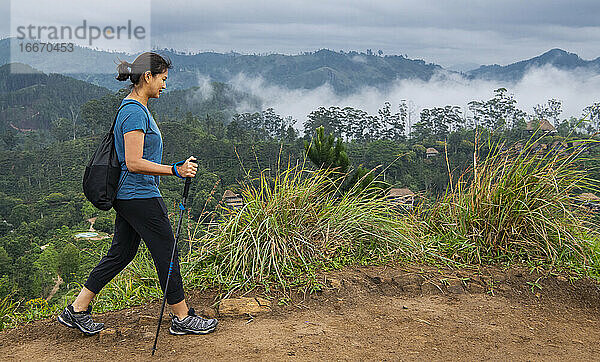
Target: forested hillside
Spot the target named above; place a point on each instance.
(30, 99)
(345, 72)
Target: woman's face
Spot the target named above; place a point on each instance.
(156, 84)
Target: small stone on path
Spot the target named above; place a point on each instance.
(243, 306)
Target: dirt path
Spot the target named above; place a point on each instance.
(363, 314)
(55, 288)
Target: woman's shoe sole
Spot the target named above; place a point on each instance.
(62, 321)
(181, 333)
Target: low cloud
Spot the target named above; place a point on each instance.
(576, 90)
(359, 59)
(205, 89)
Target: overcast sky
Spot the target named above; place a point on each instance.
(445, 32)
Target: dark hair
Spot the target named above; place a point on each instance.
(148, 61)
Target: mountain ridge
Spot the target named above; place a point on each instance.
(513, 72)
(345, 72)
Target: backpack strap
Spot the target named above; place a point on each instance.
(112, 128)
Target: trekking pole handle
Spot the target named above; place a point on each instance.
(188, 182)
(186, 188)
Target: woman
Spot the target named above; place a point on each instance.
(141, 212)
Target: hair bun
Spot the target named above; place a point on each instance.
(148, 61)
(124, 69)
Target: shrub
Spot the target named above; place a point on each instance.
(517, 207)
(105, 223)
(293, 224)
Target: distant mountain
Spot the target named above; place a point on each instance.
(556, 57)
(30, 99)
(463, 67)
(345, 72)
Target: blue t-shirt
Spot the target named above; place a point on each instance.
(134, 116)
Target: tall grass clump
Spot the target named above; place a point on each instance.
(515, 206)
(8, 308)
(294, 223)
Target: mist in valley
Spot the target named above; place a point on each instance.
(576, 89)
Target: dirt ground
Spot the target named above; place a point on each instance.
(366, 313)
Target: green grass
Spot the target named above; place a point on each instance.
(291, 225)
(515, 207)
(8, 312)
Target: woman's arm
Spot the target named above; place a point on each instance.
(134, 149)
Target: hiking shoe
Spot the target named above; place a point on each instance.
(192, 324)
(81, 320)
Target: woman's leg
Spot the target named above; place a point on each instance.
(150, 219)
(124, 246)
(180, 309)
(83, 300)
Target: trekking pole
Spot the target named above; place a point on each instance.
(186, 189)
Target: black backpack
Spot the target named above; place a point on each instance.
(101, 177)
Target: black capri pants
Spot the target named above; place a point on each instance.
(140, 219)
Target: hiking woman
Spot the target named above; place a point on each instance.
(141, 212)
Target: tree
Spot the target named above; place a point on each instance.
(322, 152)
(423, 130)
(550, 110)
(74, 116)
(105, 223)
(7, 203)
(9, 137)
(68, 262)
(392, 124)
(98, 114)
(272, 123)
(357, 124)
(47, 266)
(592, 113)
(214, 125)
(331, 119)
(234, 131)
(19, 214)
(26, 276)
(290, 134)
(498, 113)
(435, 123)
(60, 129)
(5, 262)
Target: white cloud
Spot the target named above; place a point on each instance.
(575, 89)
(205, 89)
(359, 59)
(443, 32)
